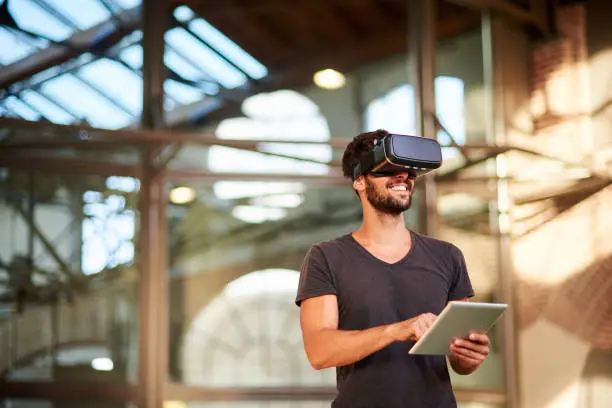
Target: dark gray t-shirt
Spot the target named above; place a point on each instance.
(372, 292)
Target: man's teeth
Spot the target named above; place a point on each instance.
(400, 188)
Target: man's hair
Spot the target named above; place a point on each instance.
(360, 144)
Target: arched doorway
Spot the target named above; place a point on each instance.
(249, 335)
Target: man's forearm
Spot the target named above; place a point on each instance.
(333, 348)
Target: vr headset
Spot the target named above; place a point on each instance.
(400, 154)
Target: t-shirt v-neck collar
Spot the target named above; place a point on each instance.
(370, 255)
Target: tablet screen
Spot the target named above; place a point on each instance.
(458, 319)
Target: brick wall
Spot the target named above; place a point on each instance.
(560, 87)
(564, 264)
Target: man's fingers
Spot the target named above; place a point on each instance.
(421, 329)
(470, 345)
(465, 353)
(479, 338)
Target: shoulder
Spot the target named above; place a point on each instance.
(331, 253)
(435, 244)
(330, 247)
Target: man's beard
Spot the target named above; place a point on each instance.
(388, 204)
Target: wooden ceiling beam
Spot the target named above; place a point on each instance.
(511, 11)
(262, 7)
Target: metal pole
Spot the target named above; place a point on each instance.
(152, 308)
(155, 16)
(500, 210)
(421, 62)
(152, 283)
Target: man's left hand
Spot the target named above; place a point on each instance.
(468, 353)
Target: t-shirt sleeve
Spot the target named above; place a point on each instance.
(461, 286)
(315, 277)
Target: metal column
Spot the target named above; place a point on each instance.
(421, 61)
(492, 40)
(152, 289)
(155, 16)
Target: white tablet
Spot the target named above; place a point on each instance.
(458, 319)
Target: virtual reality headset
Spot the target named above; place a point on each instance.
(400, 154)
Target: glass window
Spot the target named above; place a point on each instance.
(35, 19)
(108, 230)
(47, 108)
(84, 13)
(13, 48)
(132, 55)
(117, 81)
(206, 59)
(228, 48)
(128, 4)
(450, 107)
(182, 67)
(395, 111)
(261, 345)
(86, 102)
(182, 93)
(18, 107)
(282, 115)
(65, 332)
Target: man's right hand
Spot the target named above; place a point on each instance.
(412, 329)
(327, 346)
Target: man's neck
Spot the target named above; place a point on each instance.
(380, 229)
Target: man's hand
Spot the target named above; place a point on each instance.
(468, 353)
(412, 329)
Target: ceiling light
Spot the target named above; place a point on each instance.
(182, 195)
(329, 79)
(283, 201)
(232, 190)
(102, 364)
(256, 215)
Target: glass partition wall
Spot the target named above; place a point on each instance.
(162, 265)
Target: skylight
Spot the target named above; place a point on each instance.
(208, 60)
(128, 4)
(117, 81)
(87, 103)
(21, 109)
(184, 94)
(13, 48)
(105, 92)
(132, 55)
(228, 48)
(84, 13)
(34, 18)
(47, 108)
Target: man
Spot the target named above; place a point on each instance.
(366, 298)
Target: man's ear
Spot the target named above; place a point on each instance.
(359, 183)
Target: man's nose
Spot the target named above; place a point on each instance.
(401, 176)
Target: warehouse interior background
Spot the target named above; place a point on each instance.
(165, 165)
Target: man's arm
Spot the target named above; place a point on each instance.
(467, 354)
(326, 346)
